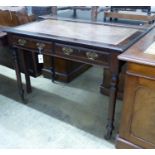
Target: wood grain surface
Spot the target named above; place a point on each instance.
(137, 52)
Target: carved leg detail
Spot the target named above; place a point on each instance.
(111, 108)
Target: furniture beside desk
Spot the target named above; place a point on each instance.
(10, 17)
(131, 15)
(137, 127)
(105, 86)
(90, 43)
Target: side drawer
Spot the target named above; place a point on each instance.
(83, 54)
(141, 70)
(29, 43)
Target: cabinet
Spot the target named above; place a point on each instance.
(65, 70)
(138, 115)
(138, 118)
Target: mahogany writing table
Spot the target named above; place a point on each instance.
(91, 43)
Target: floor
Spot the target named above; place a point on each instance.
(56, 115)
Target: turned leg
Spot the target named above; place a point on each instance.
(111, 107)
(27, 76)
(18, 73)
(115, 68)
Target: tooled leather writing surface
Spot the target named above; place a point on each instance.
(82, 31)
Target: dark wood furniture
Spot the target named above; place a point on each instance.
(65, 70)
(105, 86)
(138, 118)
(106, 83)
(14, 16)
(90, 43)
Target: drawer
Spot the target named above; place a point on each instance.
(82, 54)
(33, 44)
(141, 70)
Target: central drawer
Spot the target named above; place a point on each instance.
(32, 44)
(82, 54)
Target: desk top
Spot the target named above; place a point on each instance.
(82, 31)
(137, 54)
(107, 36)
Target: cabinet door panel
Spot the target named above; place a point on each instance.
(143, 120)
(138, 121)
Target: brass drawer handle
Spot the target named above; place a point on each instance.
(92, 55)
(40, 45)
(22, 42)
(67, 51)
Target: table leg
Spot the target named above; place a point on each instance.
(114, 68)
(18, 73)
(27, 76)
(111, 108)
(53, 69)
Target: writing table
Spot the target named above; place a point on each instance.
(90, 43)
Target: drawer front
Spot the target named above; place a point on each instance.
(34, 44)
(141, 70)
(83, 54)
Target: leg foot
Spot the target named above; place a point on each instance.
(22, 95)
(110, 128)
(111, 108)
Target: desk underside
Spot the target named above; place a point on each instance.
(81, 31)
